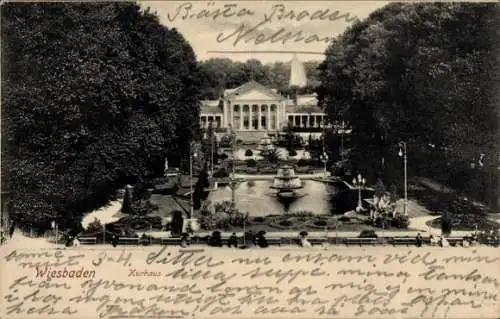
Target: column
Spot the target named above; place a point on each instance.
(250, 117)
(268, 122)
(260, 117)
(314, 121)
(224, 115)
(293, 121)
(241, 117)
(276, 110)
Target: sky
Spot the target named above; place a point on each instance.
(254, 26)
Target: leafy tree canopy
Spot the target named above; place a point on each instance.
(219, 74)
(420, 73)
(94, 96)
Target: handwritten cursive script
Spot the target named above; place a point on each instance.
(263, 28)
(211, 283)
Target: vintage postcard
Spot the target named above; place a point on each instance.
(250, 159)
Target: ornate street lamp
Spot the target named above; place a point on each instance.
(402, 153)
(359, 183)
(324, 159)
(192, 155)
(342, 131)
(233, 181)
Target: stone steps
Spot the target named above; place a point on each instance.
(251, 136)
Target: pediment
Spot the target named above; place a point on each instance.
(253, 91)
(257, 95)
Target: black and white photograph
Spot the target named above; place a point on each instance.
(250, 159)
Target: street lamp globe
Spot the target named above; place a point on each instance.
(400, 153)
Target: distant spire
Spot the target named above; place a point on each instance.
(252, 75)
(297, 73)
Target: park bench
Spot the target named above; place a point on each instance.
(317, 241)
(171, 241)
(404, 241)
(288, 241)
(156, 241)
(87, 240)
(129, 241)
(274, 241)
(360, 241)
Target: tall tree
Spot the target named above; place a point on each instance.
(419, 73)
(88, 109)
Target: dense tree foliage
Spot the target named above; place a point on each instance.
(424, 74)
(94, 96)
(219, 74)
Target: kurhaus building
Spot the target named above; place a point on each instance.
(253, 107)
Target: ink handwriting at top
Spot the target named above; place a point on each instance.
(281, 13)
(123, 258)
(185, 11)
(247, 33)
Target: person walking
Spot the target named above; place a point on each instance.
(420, 240)
(114, 240)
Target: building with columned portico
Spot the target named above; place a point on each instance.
(252, 107)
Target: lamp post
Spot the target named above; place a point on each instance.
(336, 230)
(324, 159)
(212, 154)
(359, 183)
(54, 226)
(192, 155)
(342, 131)
(402, 153)
(325, 126)
(150, 232)
(232, 176)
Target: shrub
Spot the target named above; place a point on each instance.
(302, 213)
(221, 173)
(446, 224)
(127, 202)
(368, 233)
(382, 221)
(94, 226)
(248, 153)
(344, 219)
(400, 221)
(143, 207)
(320, 222)
(258, 219)
(223, 156)
(292, 152)
(252, 170)
(251, 183)
(251, 162)
(302, 162)
(286, 223)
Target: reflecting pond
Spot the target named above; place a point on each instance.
(258, 199)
